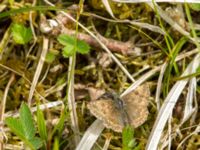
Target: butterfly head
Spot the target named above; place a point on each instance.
(109, 95)
(114, 97)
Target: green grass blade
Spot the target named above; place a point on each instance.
(172, 58)
(41, 124)
(27, 9)
(191, 24)
(151, 39)
(60, 125)
(56, 144)
(168, 39)
(127, 138)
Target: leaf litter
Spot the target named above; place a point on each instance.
(114, 31)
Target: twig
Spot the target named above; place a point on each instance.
(113, 45)
(62, 21)
(2, 108)
(99, 41)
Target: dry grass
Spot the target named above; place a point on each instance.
(130, 44)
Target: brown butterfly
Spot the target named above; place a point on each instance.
(116, 113)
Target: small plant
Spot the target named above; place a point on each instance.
(42, 130)
(24, 128)
(21, 34)
(127, 138)
(72, 45)
(50, 57)
(195, 7)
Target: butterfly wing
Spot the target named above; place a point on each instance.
(135, 104)
(106, 111)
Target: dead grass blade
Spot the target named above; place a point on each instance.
(171, 22)
(168, 106)
(159, 85)
(99, 41)
(91, 135)
(108, 8)
(2, 109)
(39, 69)
(34, 109)
(189, 109)
(169, 1)
(71, 100)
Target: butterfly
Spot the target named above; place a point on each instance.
(116, 112)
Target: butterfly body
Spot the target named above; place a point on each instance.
(117, 104)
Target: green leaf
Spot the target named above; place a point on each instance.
(195, 7)
(127, 138)
(21, 34)
(27, 121)
(72, 45)
(50, 57)
(56, 144)
(41, 124)
(69, 43)
(68, 51)
(83, 47)
(66, 40)
(16, 126)
(36, 142)
(24, 127)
